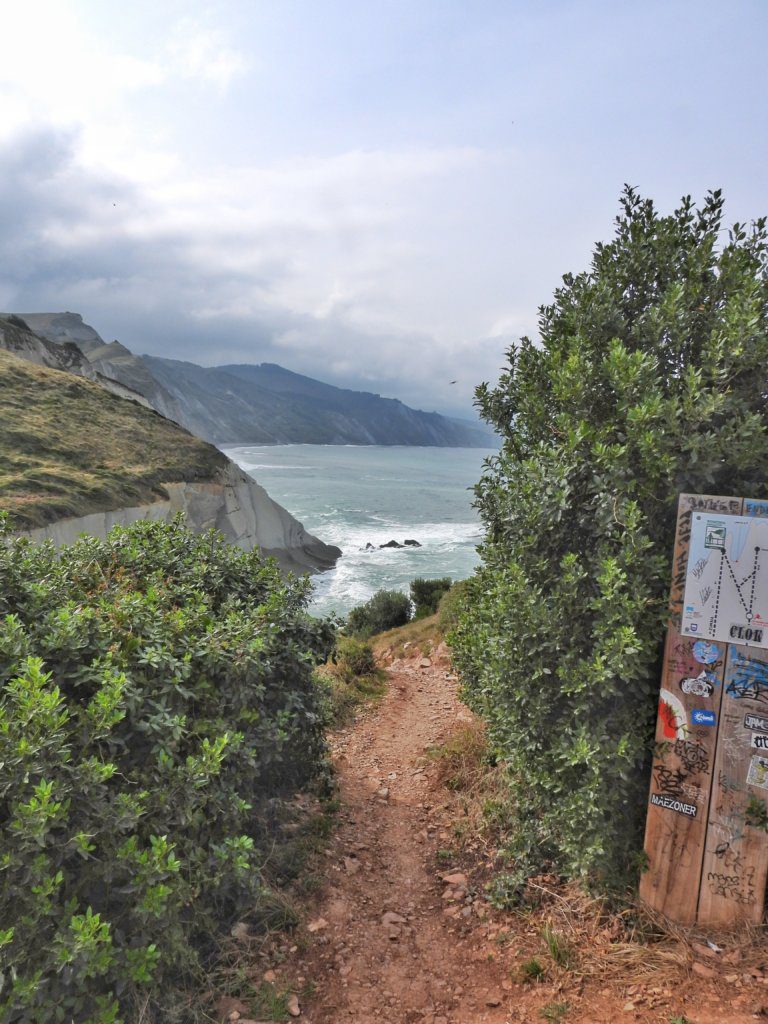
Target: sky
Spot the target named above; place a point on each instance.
(377, 194)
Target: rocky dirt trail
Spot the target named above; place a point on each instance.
(399, 935)
(397, 945)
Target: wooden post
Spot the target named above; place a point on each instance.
(686, 738)
(705, 835)
(735, 856)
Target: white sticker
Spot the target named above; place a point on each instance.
(758, 772)
(760, 740)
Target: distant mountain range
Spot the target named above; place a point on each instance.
(254, 404)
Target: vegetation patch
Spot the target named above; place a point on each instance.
(158, 714)
(69, 447)
(349, 679)
(387, 609)
(426, 595)
(648, 379)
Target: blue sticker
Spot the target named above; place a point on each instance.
(706, 653)
(693, 627)
(704, 718)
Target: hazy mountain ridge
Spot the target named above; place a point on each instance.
(262, 403)
(258, 404)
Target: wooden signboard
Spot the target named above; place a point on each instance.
(706, 834)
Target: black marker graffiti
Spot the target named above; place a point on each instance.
(693, 756)
(733, 887)
(671, 780)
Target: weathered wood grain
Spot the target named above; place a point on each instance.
(735, 862)
(681, 779)
(736, 852)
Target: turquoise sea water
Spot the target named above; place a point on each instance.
(352, 496)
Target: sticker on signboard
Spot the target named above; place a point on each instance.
(758, 772)
(705, 652)
(756, 722)
(698, 686)
(702, 717)
(760, 740)
(674, 719)
(672, 804)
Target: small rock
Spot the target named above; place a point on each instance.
(292, 1005)
(628, 1007)
(456, 878)
(352, 864)
(493, 1001)
(317, 925)
(240, 931)
(411, 543)
(382, 793)
(704, 950)
(425, 663)
(703, 970)
(227, 1005)
(390, 917)
(270, 977)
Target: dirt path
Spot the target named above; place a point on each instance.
(398, 936)
(394, 950)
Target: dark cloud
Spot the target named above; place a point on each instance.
(73, 239)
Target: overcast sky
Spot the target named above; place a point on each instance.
(379, 194)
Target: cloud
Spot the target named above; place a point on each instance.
(199, 51)
(288, 263)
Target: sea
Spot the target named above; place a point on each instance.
(355, 496)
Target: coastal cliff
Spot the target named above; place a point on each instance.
(232, 503)
(77, 458)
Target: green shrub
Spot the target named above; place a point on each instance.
(451, 604)
(350, 678)
(426, 595)
(648, 380)
(385, 610)
(156, 702)
(355, 655)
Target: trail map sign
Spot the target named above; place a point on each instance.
(726, 587)
(707, 850)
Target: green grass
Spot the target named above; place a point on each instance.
(559, 949)
(554, 1012)
(422, 634)
(68, 447)
(532, 970)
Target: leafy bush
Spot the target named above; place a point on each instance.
(385, 610)
(355, 656)
(350, 678)
(426, 595)
(156, 701)
(649, 380)
(451, 604)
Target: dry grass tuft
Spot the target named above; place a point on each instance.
(68, 447)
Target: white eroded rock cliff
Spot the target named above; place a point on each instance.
(234, 504)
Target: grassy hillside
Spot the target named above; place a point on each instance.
(68, 447)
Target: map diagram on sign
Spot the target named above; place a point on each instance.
(726, 584)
